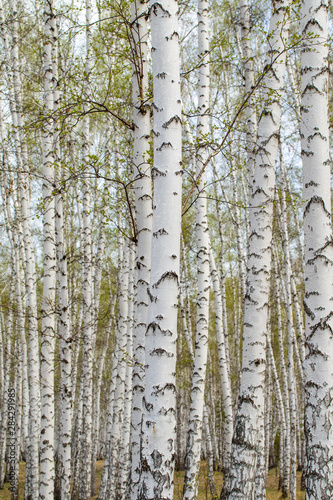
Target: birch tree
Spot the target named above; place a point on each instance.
(198, 377)
(318, 363)
(12, 65)
(143, 209)
(251, 406)
(159, 421)
(47, 471)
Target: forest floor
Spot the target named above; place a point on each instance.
(204, 492)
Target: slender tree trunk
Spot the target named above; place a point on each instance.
(318, 365)
(250, 112)
(12, 59)
(286, 445)
(143, 209)
(159, 436)
(126, 427)
(88, 342)
(106, 468)
(251, 401)
(65, 342)
(224, 371)
(210, 454)
(47, 471)
(98, 385)
(115, 466)
(194, 432)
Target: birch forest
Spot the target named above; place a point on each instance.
(166, 257)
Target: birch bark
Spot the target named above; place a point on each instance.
(65, 340)
(318, 364)
(251, 401)
(224, 370)
(159, 436)
(143, 209)
(87, 353)
(47, 471)
(198, 378)
(12, 64)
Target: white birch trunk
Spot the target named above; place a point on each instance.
(47, 470)
(115, 465)
(96, 409)
(251, 401)
(126, 427)
(224, 370)
(159, 436)
(210, 454)
(318, 365)
(198, 378)
(291, 338)
(222, 275)
(250, 112)
(285, 385)
(283, 427)
(88, 342)
(8, 328)
(143, 209)
(106, 468)
(12, 59)
(65, 354)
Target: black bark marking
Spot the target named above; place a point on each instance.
(247, 399)
(157, 459)
(157, 109)
(310, 23)
(311, 183)
(174, 118)
(155, 172)
(303, 109)
(259, 236)
(307, 153)
(323, 324)
(319, 201)
(153, 298)
(319, 257)
(166, 275)
(240, 433)
(310, 294)
(308, 311)
(172, 35)
(259, 361)
(311, 88)
(159, 352)
(260, 190)
(161, 75)
(155, 6)
(166, 387)
(155, 326)
(317, 133)
(160, 232)
(164, 145)
(166, 411)
(315, 351)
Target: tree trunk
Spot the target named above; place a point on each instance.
(159, 436)
(194, 431)
(318, 365)
(47, 471)
(251, 401)
(143, 212)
